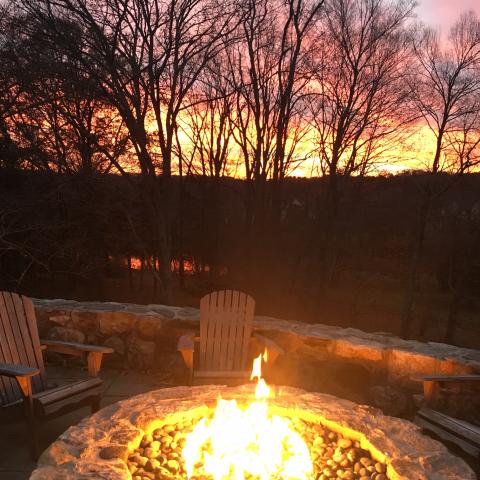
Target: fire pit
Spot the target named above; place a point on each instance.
(328, 453)
(221, 433)
(104, 445)
(254, 440)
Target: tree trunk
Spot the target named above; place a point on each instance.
(452, 316)
(160, 194)
(142, 270)
(331, 229)
(412, 282)
(327, 234)
(130, 273)
(214, 221)
(181, 227)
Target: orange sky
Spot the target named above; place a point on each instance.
(416, 153)
(418, 149)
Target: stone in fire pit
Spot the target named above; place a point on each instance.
(334, 456)
(369, 444)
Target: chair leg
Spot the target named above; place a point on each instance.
(187, 355)
(32, 429)
(430, 392)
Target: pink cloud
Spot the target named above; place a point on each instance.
(442, 13)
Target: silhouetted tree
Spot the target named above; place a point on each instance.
(208, 153)
(445, 85)
(11, 87)
(144, 57)
(358, 102)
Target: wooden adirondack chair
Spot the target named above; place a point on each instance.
(226, 340)
(464, 434)
(22, 372)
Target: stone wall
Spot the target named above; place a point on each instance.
(144, 336)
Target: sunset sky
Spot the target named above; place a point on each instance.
(418, 150)
(442, 13)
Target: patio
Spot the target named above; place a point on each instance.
(367, 368)
(119, 384)
(15, 463)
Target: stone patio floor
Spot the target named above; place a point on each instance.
(15, 463)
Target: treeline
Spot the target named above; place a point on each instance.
(172, 94)
(66, 236)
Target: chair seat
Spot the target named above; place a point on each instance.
(463, 434)
(52, 400)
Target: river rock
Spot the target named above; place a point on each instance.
(141, 353)
(85, 321)
(149, 327)
(113, 323)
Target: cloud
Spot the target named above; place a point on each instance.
(442, 13)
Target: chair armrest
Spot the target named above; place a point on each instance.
(11, 370)
(22, 374)
(447, 378)
(186, 342)
(272, 348)
(94, 353)
(186, 346)
(431, 384)
(73, 348)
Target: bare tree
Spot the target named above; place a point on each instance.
(62, 124)
(180, 47)
(267, 69)
(446, 86)
(11, 86)
(446, 83)
(292, 71)
(144, 56)
(213, 151)
(207, 123)
(358, 101)
(462, 150)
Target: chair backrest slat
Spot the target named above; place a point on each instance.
(242, 356)
(225, 329)
(218, 321)
(19, 343)
(204, 306)
(211, 321)
(234, 320)
(224, 333)
(25, 305)
(9, 390)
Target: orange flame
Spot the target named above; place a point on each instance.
(262, 390)
(238, 443)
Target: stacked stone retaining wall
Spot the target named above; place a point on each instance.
(141, 334)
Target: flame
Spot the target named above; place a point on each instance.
(239, 443)
(262, 390)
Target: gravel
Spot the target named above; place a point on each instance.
(159, 456)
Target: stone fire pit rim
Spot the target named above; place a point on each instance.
(97, 448)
